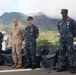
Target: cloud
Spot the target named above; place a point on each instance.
(49, 7)
(5, 4)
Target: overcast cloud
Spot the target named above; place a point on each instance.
(49, 7)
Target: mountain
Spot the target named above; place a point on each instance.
(8, 17)
(45, 22)
(40, 19)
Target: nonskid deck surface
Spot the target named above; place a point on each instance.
(7, 70)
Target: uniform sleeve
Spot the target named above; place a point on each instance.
(11, 32)
(2, 35)
(22, 33)
(25, 31)
(58, 27)
(36, 30)
(73, 27)
(73, 23)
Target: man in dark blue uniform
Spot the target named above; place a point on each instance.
(31, 34)
(65, 27)
(1, 40)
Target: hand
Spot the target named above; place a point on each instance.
(2, 39)
(11, 33)
(37, 36)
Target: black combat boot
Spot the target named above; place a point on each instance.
(54, 68)
(27, 66)
(62, 69)
(73, 70)
(33, 67)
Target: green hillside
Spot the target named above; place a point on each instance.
(47, 26)
(41, 20)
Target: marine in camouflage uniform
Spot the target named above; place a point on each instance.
(65, 27)
(17, 34)
(31, 34)
(1, 40)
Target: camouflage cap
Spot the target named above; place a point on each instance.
(30, 18)
(64, 11)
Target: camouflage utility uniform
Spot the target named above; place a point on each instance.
(65, 27)
(30, 47)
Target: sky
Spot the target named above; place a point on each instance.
(49, 7)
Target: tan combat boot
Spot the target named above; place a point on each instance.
(19, 66)
(13, 66)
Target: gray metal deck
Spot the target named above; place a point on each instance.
(7, 70)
